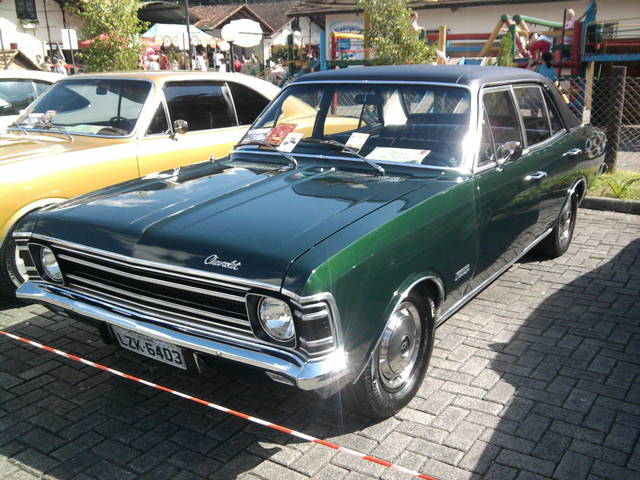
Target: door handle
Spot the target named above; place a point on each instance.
(574, 152)
(535, 176)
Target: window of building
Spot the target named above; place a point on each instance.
(26, 10)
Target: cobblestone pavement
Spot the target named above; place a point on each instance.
(538, 377)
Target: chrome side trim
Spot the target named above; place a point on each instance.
(161, 267)
(466, 298)
(158, 281)
(306, 375)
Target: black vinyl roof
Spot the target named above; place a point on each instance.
(459, 74)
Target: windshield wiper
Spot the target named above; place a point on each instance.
(335, 143)
(291, 159)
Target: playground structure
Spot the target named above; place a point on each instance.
(590, 40)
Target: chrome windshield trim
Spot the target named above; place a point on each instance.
(355, 160)
(157, 265)
(77, 80)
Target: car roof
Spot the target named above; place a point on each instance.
(31, 74)
(158, 77)
(470, 75)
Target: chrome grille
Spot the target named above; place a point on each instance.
(190, 301)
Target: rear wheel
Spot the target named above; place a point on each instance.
(558, 241)
(398, 365)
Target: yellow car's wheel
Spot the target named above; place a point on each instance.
(12, 268)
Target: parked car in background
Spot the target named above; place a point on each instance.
(91, 131)
(18, 88)
(336, 237)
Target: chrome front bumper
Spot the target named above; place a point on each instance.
(306, 375)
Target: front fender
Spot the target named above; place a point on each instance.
(18, 214)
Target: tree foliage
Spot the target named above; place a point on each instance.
(114, 27)
(390, 34)
(505, 55)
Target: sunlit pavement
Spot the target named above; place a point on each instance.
(538, 377)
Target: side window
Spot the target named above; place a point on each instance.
(41, 87)
(531, 105)
(556, 124)
(159, 124)
(249, 103)
(204, 105)
(502, 117)
(15, 95)
(487, 149)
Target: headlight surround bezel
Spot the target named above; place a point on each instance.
(45, 257)
(269, 330)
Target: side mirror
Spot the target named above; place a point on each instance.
(179, 127)
(508, 151)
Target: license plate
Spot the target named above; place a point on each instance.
(150, 347)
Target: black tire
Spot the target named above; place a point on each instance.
(9, 276)
(558, 241)
(370, 395)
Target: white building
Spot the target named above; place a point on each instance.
(23, 25)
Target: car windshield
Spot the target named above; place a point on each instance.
(407, 123)
(88, 106)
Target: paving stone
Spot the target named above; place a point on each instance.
(535, 378)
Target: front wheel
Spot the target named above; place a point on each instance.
(397, 366)
(558, 241)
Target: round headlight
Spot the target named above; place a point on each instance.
(276, 319)
(50, 264)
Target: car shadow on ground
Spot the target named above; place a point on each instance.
(570, 367)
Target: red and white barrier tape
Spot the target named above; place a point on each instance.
(215, 406)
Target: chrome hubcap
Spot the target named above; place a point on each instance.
(399, 347)
(565, 223)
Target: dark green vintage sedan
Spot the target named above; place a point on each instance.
(362, 209)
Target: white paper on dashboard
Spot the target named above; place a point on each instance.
(290, 142)
(405, 155)
(357, 140)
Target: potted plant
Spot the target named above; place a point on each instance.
(29, 22)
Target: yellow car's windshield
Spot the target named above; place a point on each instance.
(88, 106)
(406, 123)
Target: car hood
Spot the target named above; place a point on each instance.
(23, 147)
(247, 221)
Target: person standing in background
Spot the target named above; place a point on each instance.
(545, 68)
(569, 25)
(44, 65)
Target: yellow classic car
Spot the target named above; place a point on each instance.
(91, 131)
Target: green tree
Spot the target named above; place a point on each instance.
(505, 56)
(390, 34)
(114, 27)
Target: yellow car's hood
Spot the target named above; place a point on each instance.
(20, 147)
